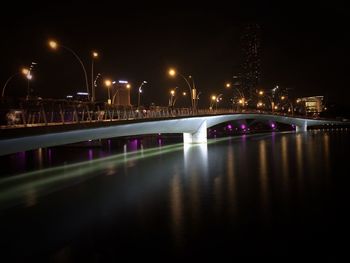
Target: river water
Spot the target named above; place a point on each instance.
(276, 196)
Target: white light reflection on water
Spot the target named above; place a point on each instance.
(231, 182)
(264, 179)
(14, 190)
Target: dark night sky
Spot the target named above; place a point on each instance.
(304, 47)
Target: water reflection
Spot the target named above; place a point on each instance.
(326, 152)
(40, 158)
(90, 154)
(14, 190)
(263, 176)
(285, 164)
(231, 182)
(196, 170)
(299, 161)
(49, 156)
(177, 209)
(216, 196)
(31, 197)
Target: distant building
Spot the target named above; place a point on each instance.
(311, 105)
(250, 43)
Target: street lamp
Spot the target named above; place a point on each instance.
(94, 55)
(54, 45)
(197, 99)
(121, 82)
(139, 93)
(29, 76)
(172, 99)
(217, 100)
(108, 84)
(24, 71)
(270, 99)
(192, 90)
(212, 101)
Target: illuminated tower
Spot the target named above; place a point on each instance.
(250, 42)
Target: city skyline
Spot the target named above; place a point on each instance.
(303, 52)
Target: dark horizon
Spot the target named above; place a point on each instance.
(302, 47)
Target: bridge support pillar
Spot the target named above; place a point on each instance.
(301, 128)
(200, 136)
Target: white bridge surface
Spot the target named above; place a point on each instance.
(194, 130)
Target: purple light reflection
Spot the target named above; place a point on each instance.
(91, 154)
(133, 144)
(49, 155)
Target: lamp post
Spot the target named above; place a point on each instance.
(192, 90)
(127, 86)
(197, 99)
(29, 76)
(94, 55)
(172, 99)
(108, 84)
(139, 93)
(212, 101)
(262, 93)
(24, 71)
(237, 93)
(54, 45)
(217, 100)
(95, 83)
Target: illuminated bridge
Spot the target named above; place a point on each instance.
(193, 128)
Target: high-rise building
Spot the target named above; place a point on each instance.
(250, 43)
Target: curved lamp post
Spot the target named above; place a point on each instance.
(24, 71)
(173, 73)
(94, 55)
(270, 99)
(54, 45)
(241, 98)
(108, 84)
(218, 98)
(127, 86)
(140, 91)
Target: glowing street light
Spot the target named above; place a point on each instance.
(192, 89)
(218, 99)
(54, 45)
(261, 92)
(212, 101)
(23, 71)
(228, 85)
(108, 84)
(94, 55)
(139, 94)
(172, 72)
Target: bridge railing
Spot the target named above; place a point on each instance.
(62, 112)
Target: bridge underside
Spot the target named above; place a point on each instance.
(200, 136)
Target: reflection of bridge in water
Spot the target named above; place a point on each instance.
(111, 122)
